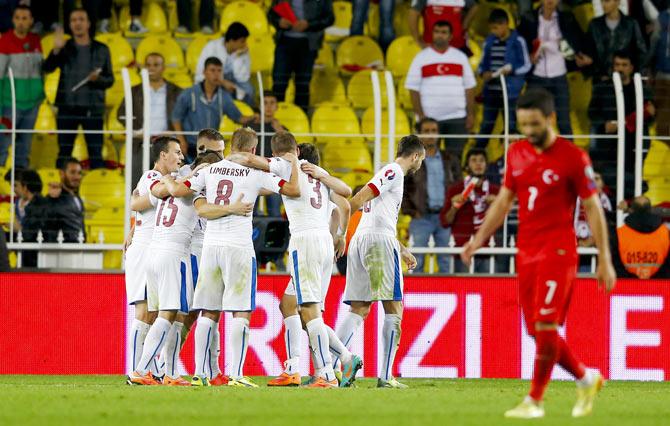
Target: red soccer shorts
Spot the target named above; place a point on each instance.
(545, 288)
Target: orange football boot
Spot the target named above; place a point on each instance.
(286, 379)
(219, 380)
(320, 382)
(179, 381)
(148, 379)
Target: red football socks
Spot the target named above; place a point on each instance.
(568, 361)
(546, 355)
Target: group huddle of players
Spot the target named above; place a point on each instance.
(190, 255)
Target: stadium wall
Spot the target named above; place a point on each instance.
(453, 327)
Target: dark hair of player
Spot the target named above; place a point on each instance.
(211, 134)
(236, 31)
(206, 157)
(62, 163)
(161, 144)
(476, 151)
(424, 120)
(498, 16)
(244, 139)
(537, 98)
(283, 142)
(23, 7)
(310, 153)
(410, 145)
(444, 24)
(213, 60)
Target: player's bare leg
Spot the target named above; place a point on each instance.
(204, 339)
(154, 342)
(391, 332)
(288, 306)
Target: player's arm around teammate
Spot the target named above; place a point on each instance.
(335, 184)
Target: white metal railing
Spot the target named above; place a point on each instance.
(377, 136)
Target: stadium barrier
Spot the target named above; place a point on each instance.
(453, 327)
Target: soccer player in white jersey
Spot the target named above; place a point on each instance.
(311, 255)
(227, 275)
(373, 259)
(166, 160)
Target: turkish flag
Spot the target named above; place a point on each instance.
(285, 11)
(435, 70)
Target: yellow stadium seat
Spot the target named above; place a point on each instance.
(656, 174)
(356, 179)
(47, 43)
(44, 149)
(340, 28)
(342, 157)
(163, 44)
(247, 13)
(114, 94)
(120, 50)
(48, 176)
(102, 188)
(80, 149)
(261, 52)
(580, 89)
(583, 14)
(51, 85)
(402, 128)
(5, 187)
(359, 89)
(109, 153)
(112, 124)
(325, 87)
(477, 52)
(335, 119)
(194, 48)
(371, 27)
(359, 51)
(179, 77)
(399, 55)
(293, 118)
(228, 126)
(400, 24)
(403, 96)
(325, 57)
(106, 226)
(153, 17)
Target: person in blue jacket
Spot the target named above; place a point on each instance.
(505, 53)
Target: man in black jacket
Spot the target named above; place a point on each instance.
(63, 209)
(86, 71)
(555, 41)
(298, 44)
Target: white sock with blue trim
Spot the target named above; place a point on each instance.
(347, 330)
(204, 332)
(318, 340)
(214, 350)
(292, 341)
(171, 349)
(138, 332)
(337, 348)
(390, 339)
(153, 344)
(239, 340)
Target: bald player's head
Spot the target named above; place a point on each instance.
(210, 140)
(244, 140)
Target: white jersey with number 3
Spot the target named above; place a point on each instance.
(380, 215)
(311, 210)
(144, 220)
(223, 183)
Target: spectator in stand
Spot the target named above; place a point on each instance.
(660, 65)
(233, 52)
(205, 16)
(86, 71)
(100, 14)
(555, 40)
(644, 12)
(442, 86)
(640, 246)
(464, 213)
(203, 106)
(297, 45)
(608, 34)
(360, 17)
(423, 197)
(21, 51)
(163, 97)
(63, 209)
(434, 11)
(603, 115)
(272, 125)
(29, 210)
(505, 53)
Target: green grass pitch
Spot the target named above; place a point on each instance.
(94, 400)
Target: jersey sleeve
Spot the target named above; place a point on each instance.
(148, 181)
(280, 167)
(271, 182)
(198, 181)
(508, 180)
(583, 178)
(385, 179)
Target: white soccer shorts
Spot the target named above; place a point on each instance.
(168, 286)
(310, 262)
(373, 269)
(136, 273)
(226, 280)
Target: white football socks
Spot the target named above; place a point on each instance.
(239, 340)
(138, 332)
(214, 350)
(171, 349)
(318, 339)
(390, 341)
(292, 340)
(204, 332)
(153, 343)
(337, 348)
(347, 330)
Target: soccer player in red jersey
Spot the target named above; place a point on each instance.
(547, 173)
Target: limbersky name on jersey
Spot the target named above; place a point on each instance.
(226, 171)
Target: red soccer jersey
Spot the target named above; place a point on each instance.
(547, 185)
